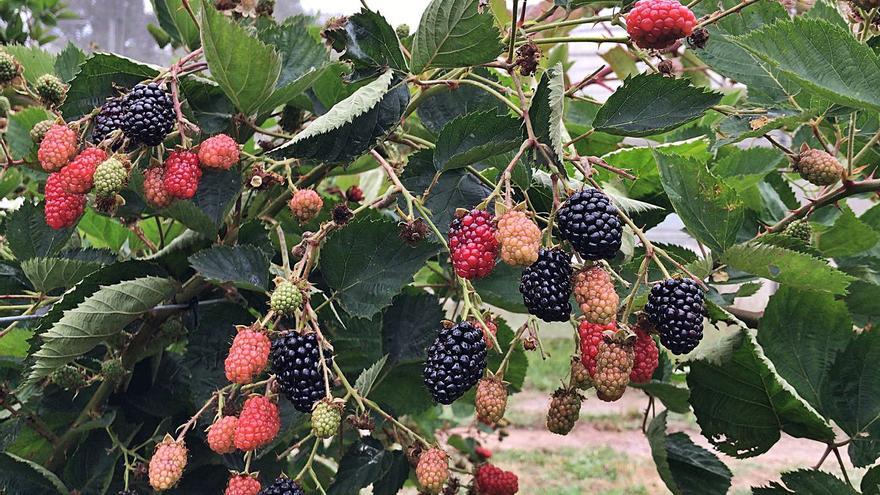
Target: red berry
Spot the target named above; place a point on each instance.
(354, 193)
(492, 480)
(221, 435)
(220, 151)
(659, 23)
(519, 237)
(247, 356)
(57, 148)
(154, 188)
(242, 484)
(473, 244)
(483, 452)
(646, 357)
(305, 204)
(182, 174)
(592, 335)
(167, 463)
(258, 423)
(432, 471)
(78, 175)
(62, 209)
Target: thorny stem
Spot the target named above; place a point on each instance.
(375, 407)
(716, 16)
(842, 192)
(348, 388)
(861, 154)
(569, 22)
(516, 338)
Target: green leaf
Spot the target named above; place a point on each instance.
(444, 105)
(822, 57)
(97, 80)
(675, 398)
(213, 200)
(742, 405)
(455, 33)
(684, 466)
(368, 41)
(807, 481)
(395, 477)
(652, 104)
(29, 236)
(847, 237)
(34, 61)
(870, 484)
(245, 67)
(18, 475)
(803, 345)
(735, 128)
(475, 137)
(501, 288)
(98, 318)
(246, 266)
(351, 127)
(364, 463)
(787, 267)
(18, 133)
(547, 110)
(367, 264)
(211, 109)
(176, 21)
(367, 378)
(68, 61)
(51, 273)
(710, 209)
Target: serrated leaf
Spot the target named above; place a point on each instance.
(211, 109)
(213, 200)
(19, 475)
(870, 484)
(51, 273)
(685, 467)
(710, 209)
(34, 61)
(847, 237)
(448, 103)
(547, 110)
(501, 288)
(475, 137)
(735, 128)
(29, 236)
(364, 463)
(246, 266)
(99, 317)
(176, 21)
(822, 57)
(787, 267)
(652, 104)
(742, 405)
(368, 41)
(455, 33)
(98, 78)
(367, 264)
(367, 378)
(68, 61)
(807, 481)
(352, 126)
(18, 132)
(245, 67)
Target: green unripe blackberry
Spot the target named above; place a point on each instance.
(68, 377)
(402, 30)
(5, 106)
(9, 68)
(112, 370)
(286, 298)
(799, 229)
(326, 417)
(40, 129)
(51, 90)
(111, 176)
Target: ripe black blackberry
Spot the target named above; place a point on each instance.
(676, 308)
(108, 119)
(296, 364)
(456, 361)
(282, 486)
(589, 221)
(148, 114)
(546, 285)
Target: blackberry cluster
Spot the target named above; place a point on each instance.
(456, 361)
(282, 486)
(546, 285)
(589, 221)
(296, 364)
(148, 114)
(675, 307)
(108, 119)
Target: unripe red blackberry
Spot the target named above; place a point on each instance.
(221, 435)
(818, 167)
(78, 176)
(258, 423)
(9, 68)
(659, 23)
(614, 363)
(305, 204)
(472, 244)
(242, 484)
(154, 188)
(167, 464)
(57, 147)
(220, 151)
(589, 221)
(595, 294)
(491, 480)
(546, 285)
(519, 237)
(182, 174)
(248, 355)
(456, 361)
(62, 209)
(591, 336)
(432, 470)
(676, 309)
(51, 90)
(564, 411)
(491, 400)
(646, 357)
(111, 176)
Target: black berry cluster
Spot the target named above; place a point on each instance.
(282, 486)
(296, 364)
(148, 114)
(589, 221)
(546, 285)
(675, 306)
(108, 119)
(456, 361)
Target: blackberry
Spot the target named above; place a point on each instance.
(296, 364)
(675, 306)
(282, 486)
(148, 114)
(108, 119)
(546, 285)
(589, 221)
(456, 361)
(128, 492)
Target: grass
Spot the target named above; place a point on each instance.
(545, 374)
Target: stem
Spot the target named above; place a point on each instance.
(844, 191)
(348, 388)
(716, 16)
(568, 22)
(375, 407)
(581, 39)
(861, 154)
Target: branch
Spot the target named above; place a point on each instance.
(846, 190)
